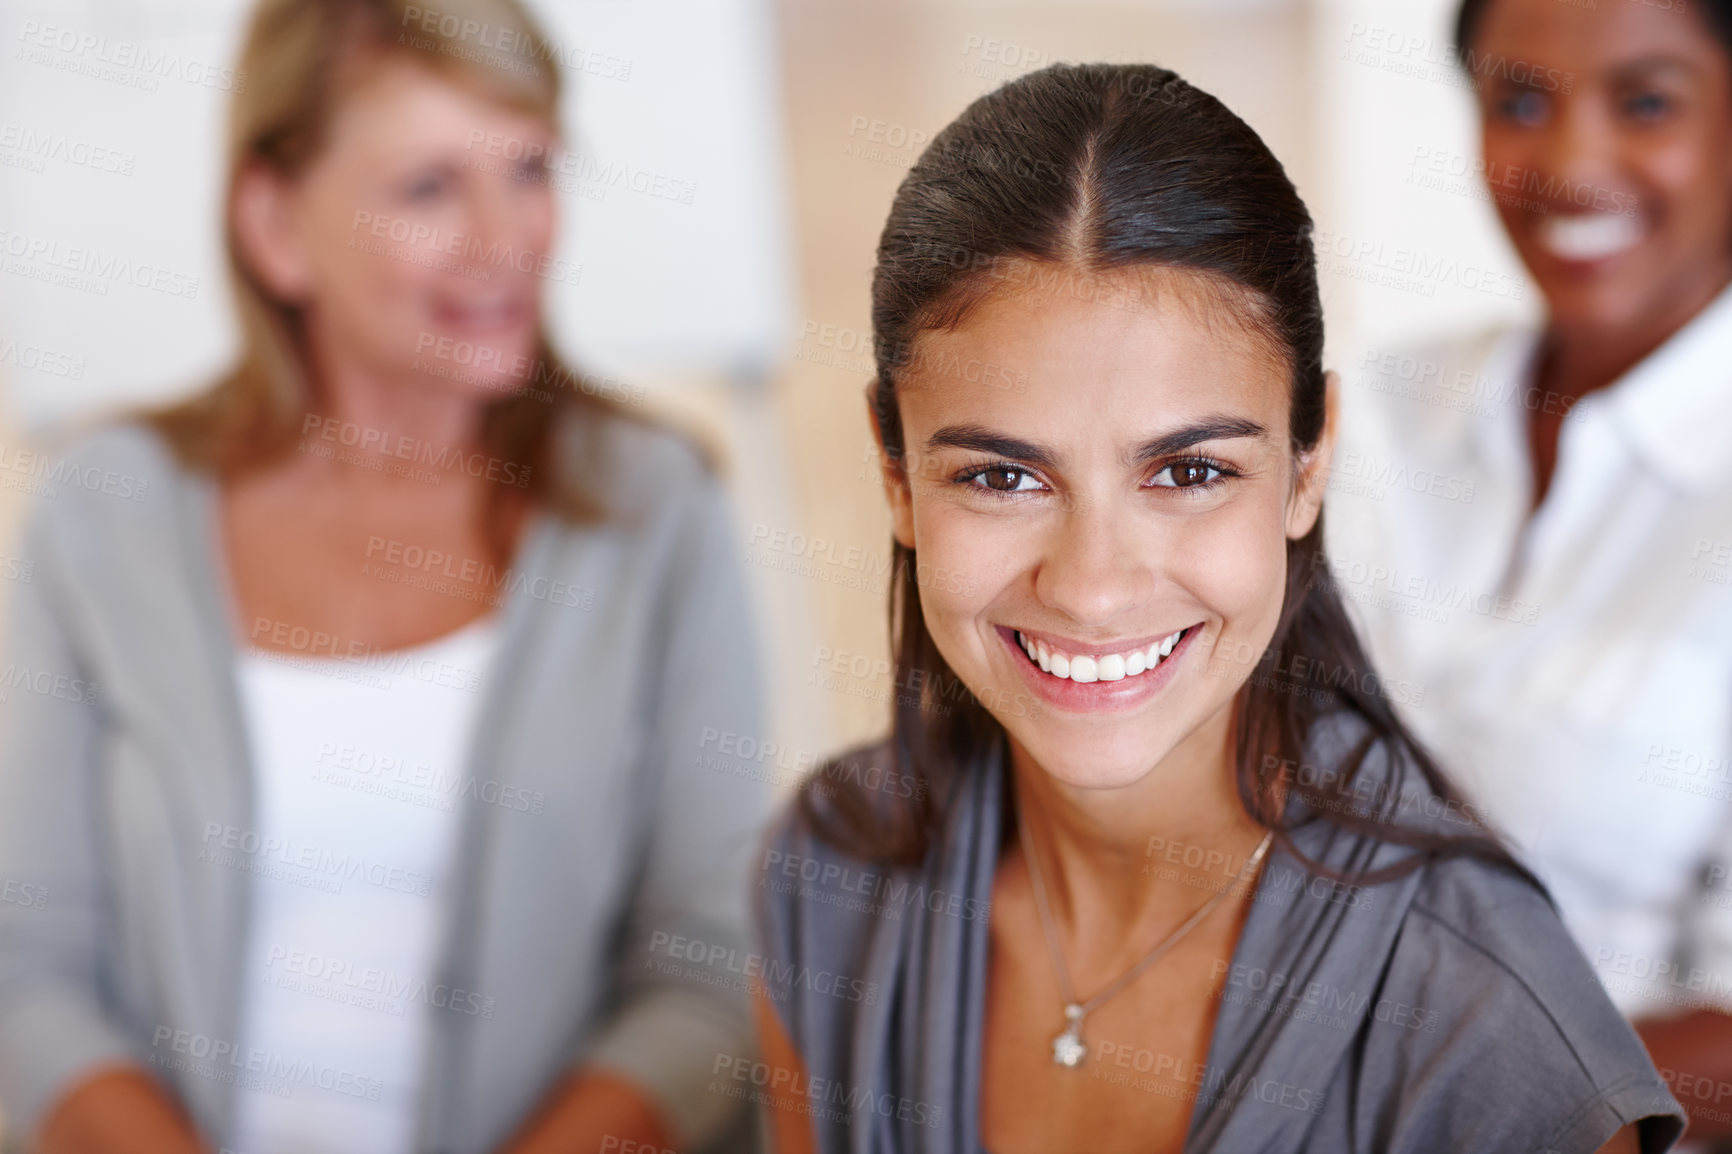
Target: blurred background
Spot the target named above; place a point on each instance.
(737, 161)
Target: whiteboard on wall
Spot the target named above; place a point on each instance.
(111, 116)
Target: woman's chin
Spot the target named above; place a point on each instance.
(1085, 767)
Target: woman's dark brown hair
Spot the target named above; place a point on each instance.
(1089, 171)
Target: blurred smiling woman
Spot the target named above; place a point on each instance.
(405, 655)
(1579, 682)
(1160, 893)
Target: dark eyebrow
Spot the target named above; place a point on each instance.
(984, 440)
(1211, 429)
(1648, 66)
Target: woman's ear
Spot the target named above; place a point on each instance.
(895, 476)
(262, 217)
(1307, 500)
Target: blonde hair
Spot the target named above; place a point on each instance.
(299, 60)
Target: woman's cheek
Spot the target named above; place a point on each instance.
(964, 561)
(1237, 568)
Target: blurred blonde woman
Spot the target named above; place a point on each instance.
(379, 807)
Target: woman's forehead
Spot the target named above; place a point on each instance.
(1075, 348)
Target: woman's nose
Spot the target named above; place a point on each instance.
(1575, 155)
(491, 221)
(1094, 565)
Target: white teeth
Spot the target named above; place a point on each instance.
(1106, 667)
(1590, 236)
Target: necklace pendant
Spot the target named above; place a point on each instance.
(1068, 1048)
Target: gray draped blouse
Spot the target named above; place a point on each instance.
(1446, 1010)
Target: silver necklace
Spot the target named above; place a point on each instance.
(1068, 1048)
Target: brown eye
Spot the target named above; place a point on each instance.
(1002, 479)
(1187, 475)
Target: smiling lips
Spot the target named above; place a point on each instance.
(1590, 236)
(1084, 668)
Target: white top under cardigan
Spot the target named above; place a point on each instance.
(360, 767)
(1574, 671)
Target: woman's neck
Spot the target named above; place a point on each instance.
(1149, 852)
(395, 404)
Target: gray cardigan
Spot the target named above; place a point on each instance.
(599, 828)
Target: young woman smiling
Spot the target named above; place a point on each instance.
(1160, 891)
